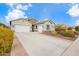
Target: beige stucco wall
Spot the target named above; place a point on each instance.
(40, 28)
(52, 27)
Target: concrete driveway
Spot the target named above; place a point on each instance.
(37, 44)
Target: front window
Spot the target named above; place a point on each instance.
(48, 27)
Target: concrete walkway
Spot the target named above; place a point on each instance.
(73, 50)
(37, 44)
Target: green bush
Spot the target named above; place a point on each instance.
(6, 40)
(54, 33)
(77, 28)
(68, 33)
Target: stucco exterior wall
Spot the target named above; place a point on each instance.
(43, 27)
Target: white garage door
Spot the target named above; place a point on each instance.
(22, 28)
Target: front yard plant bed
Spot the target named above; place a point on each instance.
(6, 40)
(59, 35)
(64, 37)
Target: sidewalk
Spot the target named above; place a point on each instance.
(73, 50)
(17, 49)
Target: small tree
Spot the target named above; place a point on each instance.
(77, 28)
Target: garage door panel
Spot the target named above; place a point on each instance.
(22, 28)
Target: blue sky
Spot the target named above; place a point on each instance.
(60, 13)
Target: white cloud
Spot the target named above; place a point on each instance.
(77, 22)
(74, 11)
(30, 5)
(22, 7)
(14, 14)
(16, 11)
(10, 4)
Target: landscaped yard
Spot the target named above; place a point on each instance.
(62, 31)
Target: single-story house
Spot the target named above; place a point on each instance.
(31, 25)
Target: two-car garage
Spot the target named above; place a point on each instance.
(22, 28)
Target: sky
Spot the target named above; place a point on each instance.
(60, 13)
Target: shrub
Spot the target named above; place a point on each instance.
(61, 27)
(6, 39)
(68, 33)
(54, 33)
(70, 28)
(77, 28)
(3, 25)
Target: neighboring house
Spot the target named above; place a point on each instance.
(31, 25)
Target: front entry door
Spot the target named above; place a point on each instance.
(32, 28)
